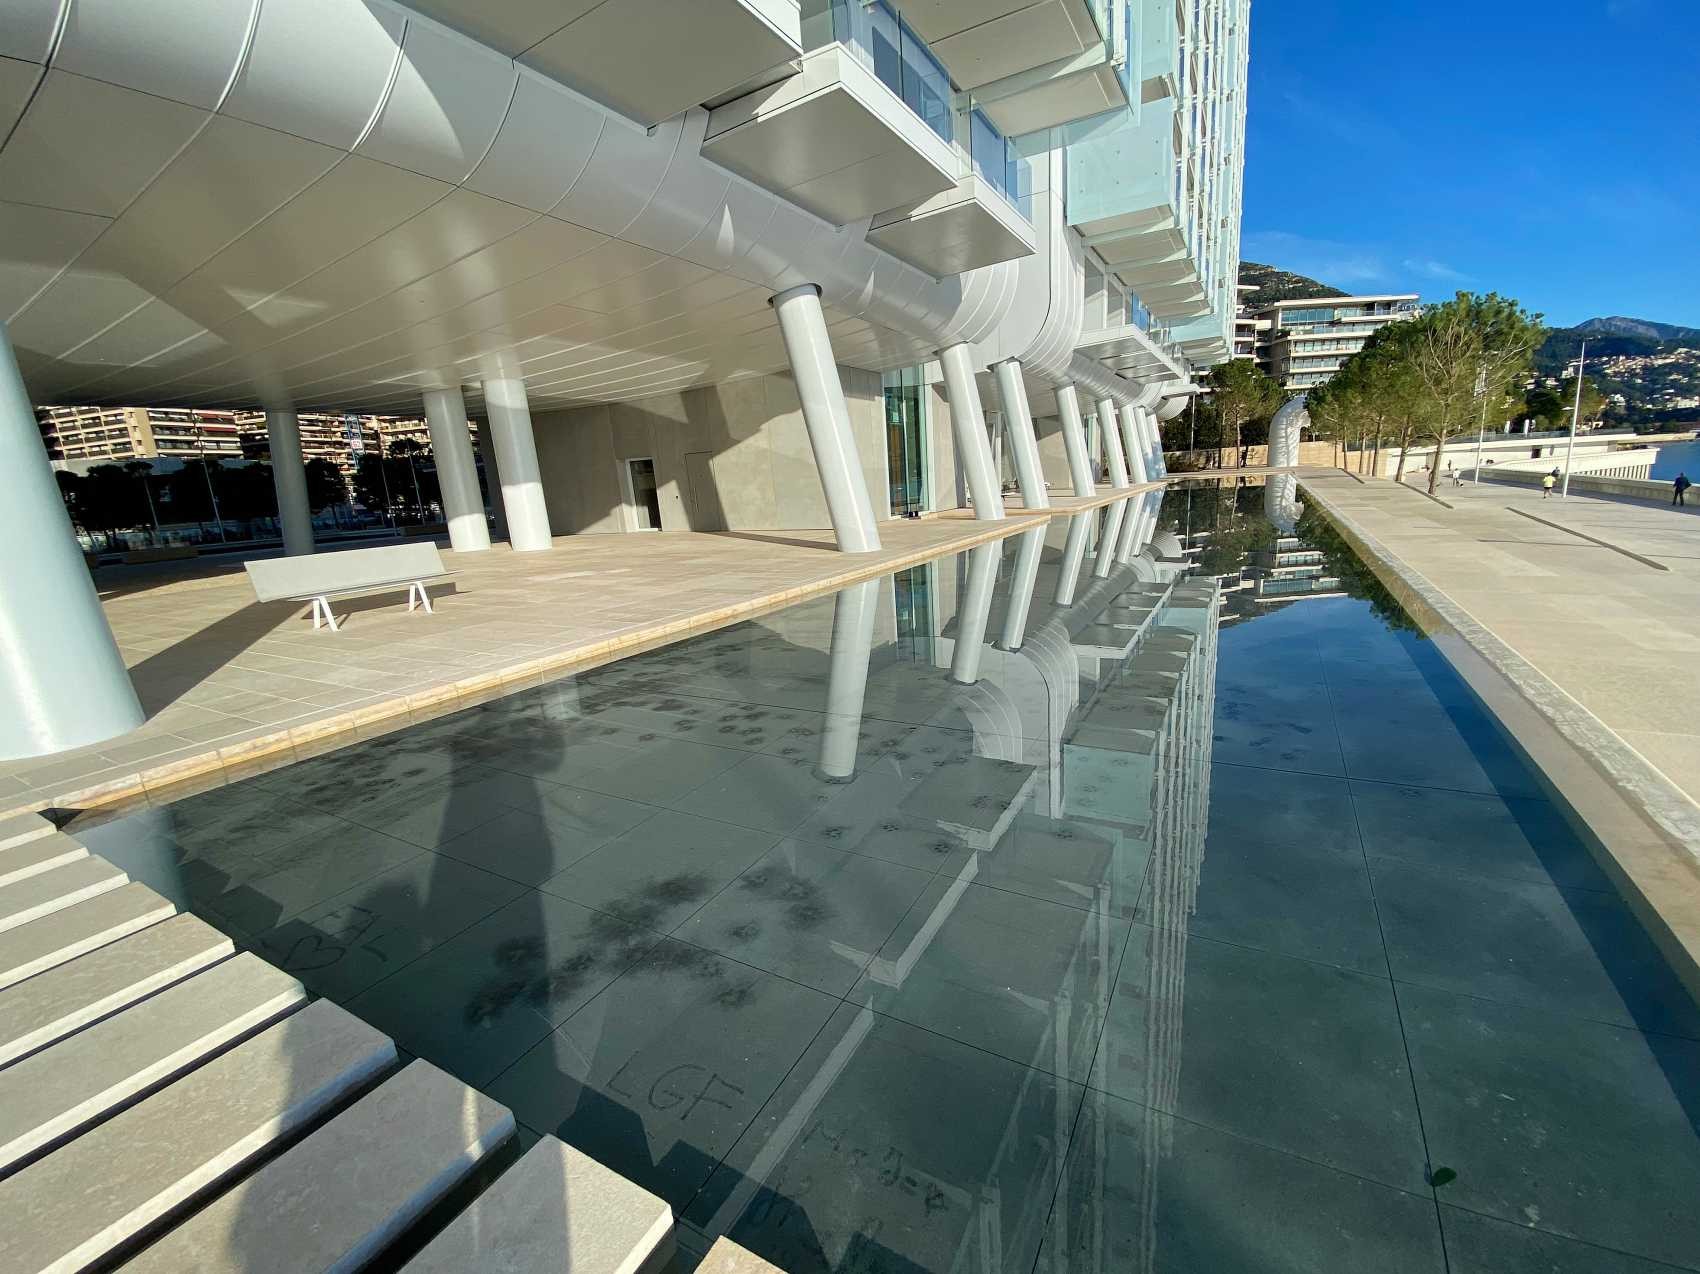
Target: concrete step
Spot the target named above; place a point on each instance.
(84, 1200)
(85, 926)
(556, 1209)
(76, 1081)
(38, 854)
(15, 829)
(726, 1257)
(333, 1201)
(67, 998)
(36, 896)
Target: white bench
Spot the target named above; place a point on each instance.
(318, 577)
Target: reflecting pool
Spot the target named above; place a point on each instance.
(1139, 893)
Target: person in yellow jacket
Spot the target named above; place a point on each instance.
(1547, 484)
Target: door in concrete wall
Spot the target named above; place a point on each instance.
(703, 497)
(642, 498)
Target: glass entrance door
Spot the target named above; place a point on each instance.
(646, 503)
(906, 435)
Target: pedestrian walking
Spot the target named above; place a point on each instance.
(1547, 484)
(1679, 489)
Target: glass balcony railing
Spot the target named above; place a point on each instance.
(998, 163)
(876, 34)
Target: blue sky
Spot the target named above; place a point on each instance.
(1549, 151)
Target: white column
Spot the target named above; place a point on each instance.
(1021, 585)
(1094, 442)
(1018, 422)
(1154, 442)
(972, 615)
(968, 428)
(1112, 442)
(1074, 553)
(457, 472)
(853, 613)
(509, 412)
(826, 416)
(289, 479)
(1133, 443)
(62, 681)
(1109, 541)
(1132, 524)
(1074, 440)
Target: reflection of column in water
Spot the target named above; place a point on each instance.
(1021, 587)
(1074, 553)
(853, 613)
(976, 609)
(1281, 502)
(1107, 543)
(1131, 526)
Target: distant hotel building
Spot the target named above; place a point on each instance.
(1303, 342)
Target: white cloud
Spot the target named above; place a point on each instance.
(1432, 269)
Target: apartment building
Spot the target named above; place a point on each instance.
(793, 266)
(1303, 342)
(79, 437)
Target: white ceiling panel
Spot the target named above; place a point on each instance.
(137, 337)
(185, 50)
(17, 82)
(317, 68)
(35, 245)
(666, 275)
(77, 304)
(87, 146)
(512, 26)
(441, 116)
(27, 32)
(542, 147)
(228, 179)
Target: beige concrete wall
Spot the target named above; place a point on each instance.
(942, 451)
(1053, 455)
(733, 456)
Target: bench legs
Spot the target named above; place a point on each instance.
(417, 596)
(322, 617)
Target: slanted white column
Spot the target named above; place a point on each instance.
(975, 610)
(1112, 442)
(1074, 553)
(1018, 423)
(1133, 443)
(289, 479)
(826, 416)
(1074, 440)
(1110, 540)
(1132, 524)
(457, 472)
(968, 428)
(509, 411)
(1027, 555)
(853, 613)
(62, 681)
(1094, 442)
(1154, 442)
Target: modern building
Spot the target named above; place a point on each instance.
(78, 437)
(1302, 343)
(793, 266)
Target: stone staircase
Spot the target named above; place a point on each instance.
(168, 1104)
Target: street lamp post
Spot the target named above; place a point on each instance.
(1575, 417)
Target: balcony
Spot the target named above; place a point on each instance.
(980, 41)
(859, 130)
(1042, 88)
(1128, 350)
(611, 52)
(984, 219)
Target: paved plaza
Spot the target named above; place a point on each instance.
(230, 683)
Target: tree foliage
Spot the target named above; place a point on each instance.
(1241, 393)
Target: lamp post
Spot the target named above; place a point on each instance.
(1575, 417)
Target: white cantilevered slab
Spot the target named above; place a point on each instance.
(46, 892)
(15, 829)
(39, 854)
(338, 1198)
(556, 1209)
(69, 997)
(76, 1205)
(64, 935)
(61, 1088)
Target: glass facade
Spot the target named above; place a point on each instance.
(906, 440)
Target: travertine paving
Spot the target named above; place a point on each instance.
(230, 684)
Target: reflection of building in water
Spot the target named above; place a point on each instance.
(1289, 571)
(1087, 725)
(1152, 726)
